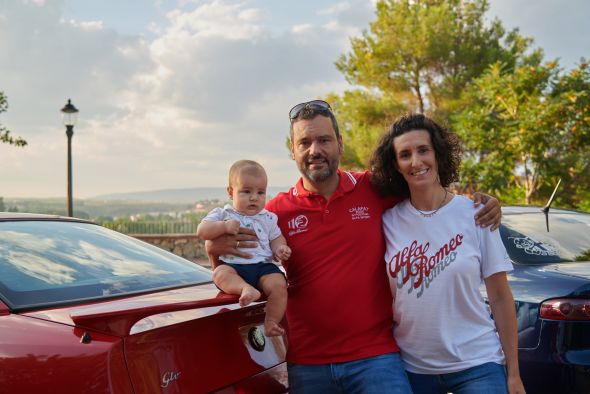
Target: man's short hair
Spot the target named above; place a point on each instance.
(308, 113)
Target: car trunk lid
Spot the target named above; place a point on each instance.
(577, 269)
(203, 354)
(192, 339)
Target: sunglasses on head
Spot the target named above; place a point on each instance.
(318, 105)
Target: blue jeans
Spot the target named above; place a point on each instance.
(488, 378)
(379, 375)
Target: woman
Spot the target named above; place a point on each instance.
(436, 265)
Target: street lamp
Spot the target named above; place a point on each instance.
(70, 116)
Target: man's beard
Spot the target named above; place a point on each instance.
(319, 176)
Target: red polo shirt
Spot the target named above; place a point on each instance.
(339, 306)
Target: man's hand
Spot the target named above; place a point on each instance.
(231, 244)
(490, 214)
(232, 226)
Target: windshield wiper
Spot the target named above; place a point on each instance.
(548, 205)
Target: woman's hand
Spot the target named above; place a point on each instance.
(515, 385)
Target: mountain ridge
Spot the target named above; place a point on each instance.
(185, 195)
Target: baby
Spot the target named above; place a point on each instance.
(246, 277)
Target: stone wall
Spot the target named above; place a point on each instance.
(188, 246)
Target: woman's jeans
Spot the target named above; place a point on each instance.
(488, 378)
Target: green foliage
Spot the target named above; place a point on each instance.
(94, 209)
(5, 136)
(525, 123)
(362, 117)
(130, 217)
(156, 224)
(152, 227)
(4, 208)
(525, 129)
(584, 256)
(426, 52)
(418, 56)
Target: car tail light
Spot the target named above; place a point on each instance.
(565, 309)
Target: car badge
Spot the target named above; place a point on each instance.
(169, 377)
(256, 339)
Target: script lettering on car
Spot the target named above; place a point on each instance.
(169, 377)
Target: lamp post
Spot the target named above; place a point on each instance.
(70, 115)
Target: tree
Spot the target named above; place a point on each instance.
(418, 56)
(362, 116)
(5, 136)
(525, 129)
(2, 206)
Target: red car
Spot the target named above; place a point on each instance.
(84, 309)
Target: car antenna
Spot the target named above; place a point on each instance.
(548, 205)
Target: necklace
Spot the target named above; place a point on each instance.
(432, 213)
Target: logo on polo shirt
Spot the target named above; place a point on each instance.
(359, 213)
(298, 224)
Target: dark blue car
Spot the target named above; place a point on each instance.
(551, 287)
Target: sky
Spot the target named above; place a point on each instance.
(172, 92)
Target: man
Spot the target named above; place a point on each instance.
(339, 310)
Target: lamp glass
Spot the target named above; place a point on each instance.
(70, 118)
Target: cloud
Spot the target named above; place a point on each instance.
(210, 86)
(204, 84)
(559, 27)
(351, 13)
(47, 59)
(216, 62)
(88, 25)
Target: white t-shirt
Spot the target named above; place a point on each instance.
(265, 225)
(441, 322)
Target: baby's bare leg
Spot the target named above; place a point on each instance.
(275, 287)
(228, 280)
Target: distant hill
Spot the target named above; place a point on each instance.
(184, 196)
(126, 204)
(92, 209)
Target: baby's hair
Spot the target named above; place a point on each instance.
(245, 167)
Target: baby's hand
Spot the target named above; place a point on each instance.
(232, 227)
(282, 253)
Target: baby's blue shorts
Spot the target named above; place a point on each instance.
(252, 273)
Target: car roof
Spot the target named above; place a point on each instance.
(19, 216)
(516, 209)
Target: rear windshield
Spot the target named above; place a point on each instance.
(528, 242)
(50, 263)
